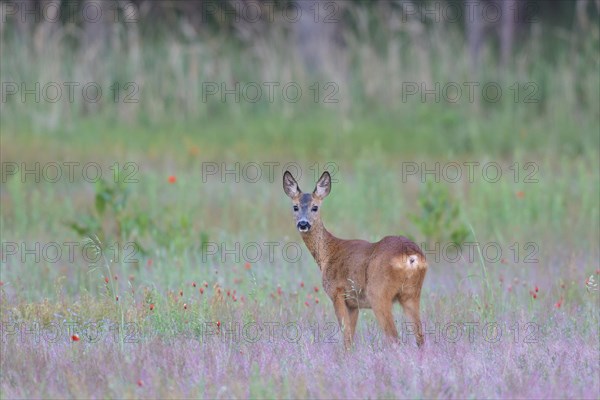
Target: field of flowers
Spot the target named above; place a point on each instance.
(211, 292)
(148, 249)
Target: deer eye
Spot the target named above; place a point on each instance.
(295, 208)
(314, 208)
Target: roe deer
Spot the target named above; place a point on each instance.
(358, 274)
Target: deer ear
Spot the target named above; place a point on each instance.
(323, 185)
(290, 186)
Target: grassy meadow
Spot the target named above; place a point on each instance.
(148, 248)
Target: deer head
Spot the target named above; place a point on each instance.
(306, 206)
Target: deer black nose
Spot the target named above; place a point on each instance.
(303, 226)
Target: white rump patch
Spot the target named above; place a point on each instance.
(412, 261)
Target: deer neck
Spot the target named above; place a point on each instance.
(320, 243)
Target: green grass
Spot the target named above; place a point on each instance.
(557, 213)
(545, 206)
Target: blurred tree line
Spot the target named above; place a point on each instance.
(499, 23)
(369, 49)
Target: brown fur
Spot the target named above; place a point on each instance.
(359, 274)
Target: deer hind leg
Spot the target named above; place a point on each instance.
(385, 318)
(411, 308)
